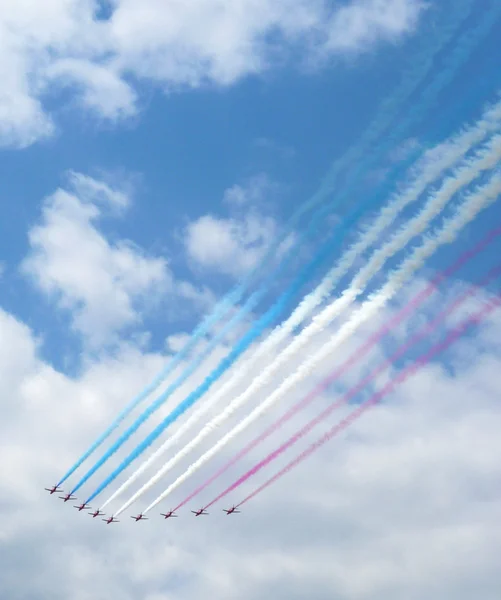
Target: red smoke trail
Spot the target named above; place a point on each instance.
(388, 388)
(360, 353)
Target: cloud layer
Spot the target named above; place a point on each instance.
(68, 44)
(405, 504)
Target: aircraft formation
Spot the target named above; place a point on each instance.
(371, 243)
(140, 517)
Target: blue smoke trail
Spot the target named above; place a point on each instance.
(454, 61)
(270, 316)
(409, 84)
(268, 319)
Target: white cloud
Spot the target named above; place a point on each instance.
(255, 191)
(174, 44)
(102, 90)
(106, 285)
(93, 191)
(403, 505)
(361, 23)
(233, 245)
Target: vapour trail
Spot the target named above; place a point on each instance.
(458, 146)
(259, 327)
(362, 351)
(306, 273)
(485, 159)
(428, 329)
(421, 362)
(469, 208)
(461, 177)
(411, 80)
(404, 91)
(454, 59)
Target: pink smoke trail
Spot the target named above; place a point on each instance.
(425, 331)
(360, 353)
(421, 362)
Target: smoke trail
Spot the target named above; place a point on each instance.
(474, 203)
(388, 388)
(462, 176)
(362, 351)
(367, 159)
(428, 329)
(409, 84)
(382, 121)
(458, 147)
(485, 160)
(258, 328)
(489, 122)
(411, 80)
(271, 315)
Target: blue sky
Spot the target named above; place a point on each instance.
(149, 154)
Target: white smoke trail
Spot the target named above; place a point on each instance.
(457, 147)
(470, 207)
(462, 176)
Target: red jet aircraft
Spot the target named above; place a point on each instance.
(68, 497)
(140, 517)
(110, 520)
(197, 513)
(233, 509)
(53, 489)
(169, 514)
(96, 513)
(82, 507)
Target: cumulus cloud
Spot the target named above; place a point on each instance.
(233, 245)
(403, 505)
(63, 43)
(230, 246)
(105, 285)
(102, 90)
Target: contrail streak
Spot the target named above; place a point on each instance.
(458, 147)
(428, 329)
(464, 214)
(404, 91)
(362, 351)
(461, 177)
(485, 160)
(274, 312)
(258, 328)
(412, 79)
(368, 158)
(388, 388)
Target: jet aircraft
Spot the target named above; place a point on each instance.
(68, 497)
(197, 513)
(169, 514)
(110, 520)
(81, 507)
(140, 517)
(96, 513)
(53, 489)
(233, 509)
